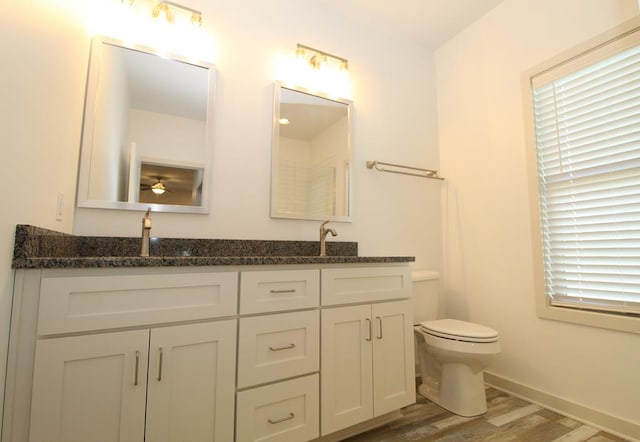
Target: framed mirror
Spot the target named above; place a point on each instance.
(311, 156)
(147, 138)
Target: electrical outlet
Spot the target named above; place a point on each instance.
(60, 207)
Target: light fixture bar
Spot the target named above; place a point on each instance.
(184, 8)
(303, 49)
(163, 6)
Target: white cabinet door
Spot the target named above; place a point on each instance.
(191, 382)
(367, 363)
(346, 392)
(95, 387)
(90, 388)
(393, 357)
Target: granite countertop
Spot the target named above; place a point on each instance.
(36, 247)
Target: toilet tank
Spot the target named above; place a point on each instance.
(425, 295)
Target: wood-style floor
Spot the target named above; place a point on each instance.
(508, 419)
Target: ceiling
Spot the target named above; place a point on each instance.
(163, 85)
(307, 121)
(429, 23)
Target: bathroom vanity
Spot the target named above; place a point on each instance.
(197, 348)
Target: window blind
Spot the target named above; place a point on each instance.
(587, 127)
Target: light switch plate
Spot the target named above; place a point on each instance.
(60, 207)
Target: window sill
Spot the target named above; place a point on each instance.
(619, 322)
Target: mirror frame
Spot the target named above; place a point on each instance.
(275, 148)
(88, 126)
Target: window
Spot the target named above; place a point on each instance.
(585, 113)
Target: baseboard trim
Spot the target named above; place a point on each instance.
(589, 416)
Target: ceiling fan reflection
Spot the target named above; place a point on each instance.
(158, 187)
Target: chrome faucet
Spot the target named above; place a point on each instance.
(323, 237)
(146, 233)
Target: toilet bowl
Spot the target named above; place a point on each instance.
(452, 356)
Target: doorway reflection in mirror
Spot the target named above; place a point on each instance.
(162, 184)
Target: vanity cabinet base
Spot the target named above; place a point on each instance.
(152, 353)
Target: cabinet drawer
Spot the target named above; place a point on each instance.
(81, 303)
(285, 411)
(277, 347)
(365, 284)
(270, 291)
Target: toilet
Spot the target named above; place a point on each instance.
(451, 354)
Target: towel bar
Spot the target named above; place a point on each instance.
(424, 173)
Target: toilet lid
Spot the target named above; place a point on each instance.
(459, 330)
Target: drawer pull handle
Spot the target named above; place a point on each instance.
(283, 291)
(161, 356)
(368, 338)
(380, 329)
(135, 376)
(282, 419)
(284, 347)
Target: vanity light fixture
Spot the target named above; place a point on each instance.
(318, 59)
(167, 9)
(284, 121)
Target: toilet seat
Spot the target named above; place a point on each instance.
(459, 330)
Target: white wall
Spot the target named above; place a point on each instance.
(488, 262)
(45, 51)
(167, 137)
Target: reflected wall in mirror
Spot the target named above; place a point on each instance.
(147, 121)
(311, 156)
